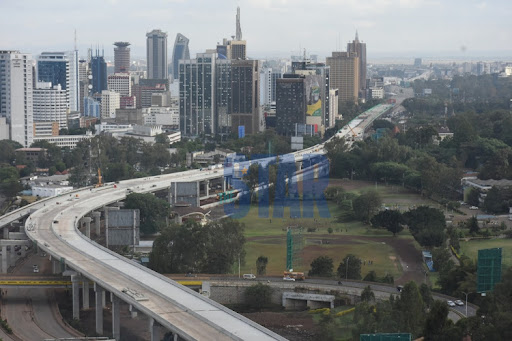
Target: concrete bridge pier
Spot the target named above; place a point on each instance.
(75, 285)
(116, 318)
(55, 267)
(99, 304)
(85, 293)
(5, 259)
(97, 218)
(133, 311)
(154, 331)
(6, 232)
(87, 221)
(12, 257)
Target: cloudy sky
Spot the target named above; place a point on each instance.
(403, 28)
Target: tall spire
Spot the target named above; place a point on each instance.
(357, 36)
(238, 28)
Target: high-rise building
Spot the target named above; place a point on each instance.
(110, 101)
(197, 95)
(179, 52)
(359, 49)
(245, 96)
(238, 35)
(56, 68)
(74, 81)
(16, 99)
(84, 81)
(99, 73)
(317, 94)
(91, 107)
(223, 95)
(121, 57)
(50, 104)
(290, 103)
(418, 62)
(265, 86)
(344, 75)
(156, 52)
(120, 83)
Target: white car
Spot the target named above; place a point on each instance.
(288, 279)
(459, 302)
(36, 269)
(451, 304)
(473, 208)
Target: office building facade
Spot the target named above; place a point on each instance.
(359, 49)
(245, 96)
(110, 101)
(156, 53)
(50, 104)
(121, 57)
(16, 98)
(223, 95)
(120, 83)
(344, 75)
(197, 95)
(290, 103)
(99, 74)
(180, 52)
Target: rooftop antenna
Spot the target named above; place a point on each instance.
(75, 39)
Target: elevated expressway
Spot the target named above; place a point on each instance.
(53, 225)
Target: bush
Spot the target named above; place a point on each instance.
(258, 296)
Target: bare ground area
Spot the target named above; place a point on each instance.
(293, 325)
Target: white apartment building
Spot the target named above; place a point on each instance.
(265, 86)
(120, 83)
(166, 116)
(50, 104)
(65, 140)
(16, 95)
(50, 190)
(110, 101)
(333, 107)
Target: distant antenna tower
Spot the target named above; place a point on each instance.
(75, 40)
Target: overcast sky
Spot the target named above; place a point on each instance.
(458, 28)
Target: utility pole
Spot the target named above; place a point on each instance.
(346, 268)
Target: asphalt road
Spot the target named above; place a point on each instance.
(30, 312)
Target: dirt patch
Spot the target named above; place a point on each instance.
(293, 325)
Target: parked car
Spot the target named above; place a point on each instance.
(400, 288)
(451, 304)
(36, 269)
(289, 279)
(249, 276)
(473, 208)
(459, 302)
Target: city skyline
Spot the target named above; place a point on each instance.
(274, 28)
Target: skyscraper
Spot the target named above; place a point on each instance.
(360, 50)
(50, 104)
(99, 73)
(121, 57)
(291, 103)
(245, 96)
(16, 98)
(238, 27)
(223, 94)
(344, 75)
(197, 95)
(156, 52)
(179, 52)
(83, 81)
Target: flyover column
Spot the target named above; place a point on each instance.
(12, 257)
(207, 186)
(100, 299)
(153, 329)
(55, 266)
(97, 217)
(116, 317)
(87, 222)
(75, 285)
(4, 259)
(85, 293)
(6, 232)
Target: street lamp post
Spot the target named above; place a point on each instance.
(346, 268)
(466, 301)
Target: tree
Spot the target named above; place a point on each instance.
(437, 320)
(261, 265)
(162, 138)
(390, 219)
(224, 245)
(426, 225)
(411, 307)
(258, 296)
(322, 266)
(473, 197)
(366, 205)
(472, 225)
(494, 201)
(371, 277)
(153, 211)
(367, 295)
(8, 151)
(251, 177)
(9, 181)
(426, 295)
(350, 267)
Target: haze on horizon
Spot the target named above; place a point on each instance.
(273, 28)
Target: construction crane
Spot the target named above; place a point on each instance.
(99, 184)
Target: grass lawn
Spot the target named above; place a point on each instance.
(267, 235)
(470, 248)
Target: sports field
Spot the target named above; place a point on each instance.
(470, 248)
(267, 236)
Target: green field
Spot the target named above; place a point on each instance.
(470, 248)
(267, 236)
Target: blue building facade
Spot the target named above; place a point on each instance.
(99, 74)
(54, 68)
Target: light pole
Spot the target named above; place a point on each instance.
(346, 269)
(466, 301)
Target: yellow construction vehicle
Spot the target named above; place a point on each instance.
(99, 184)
